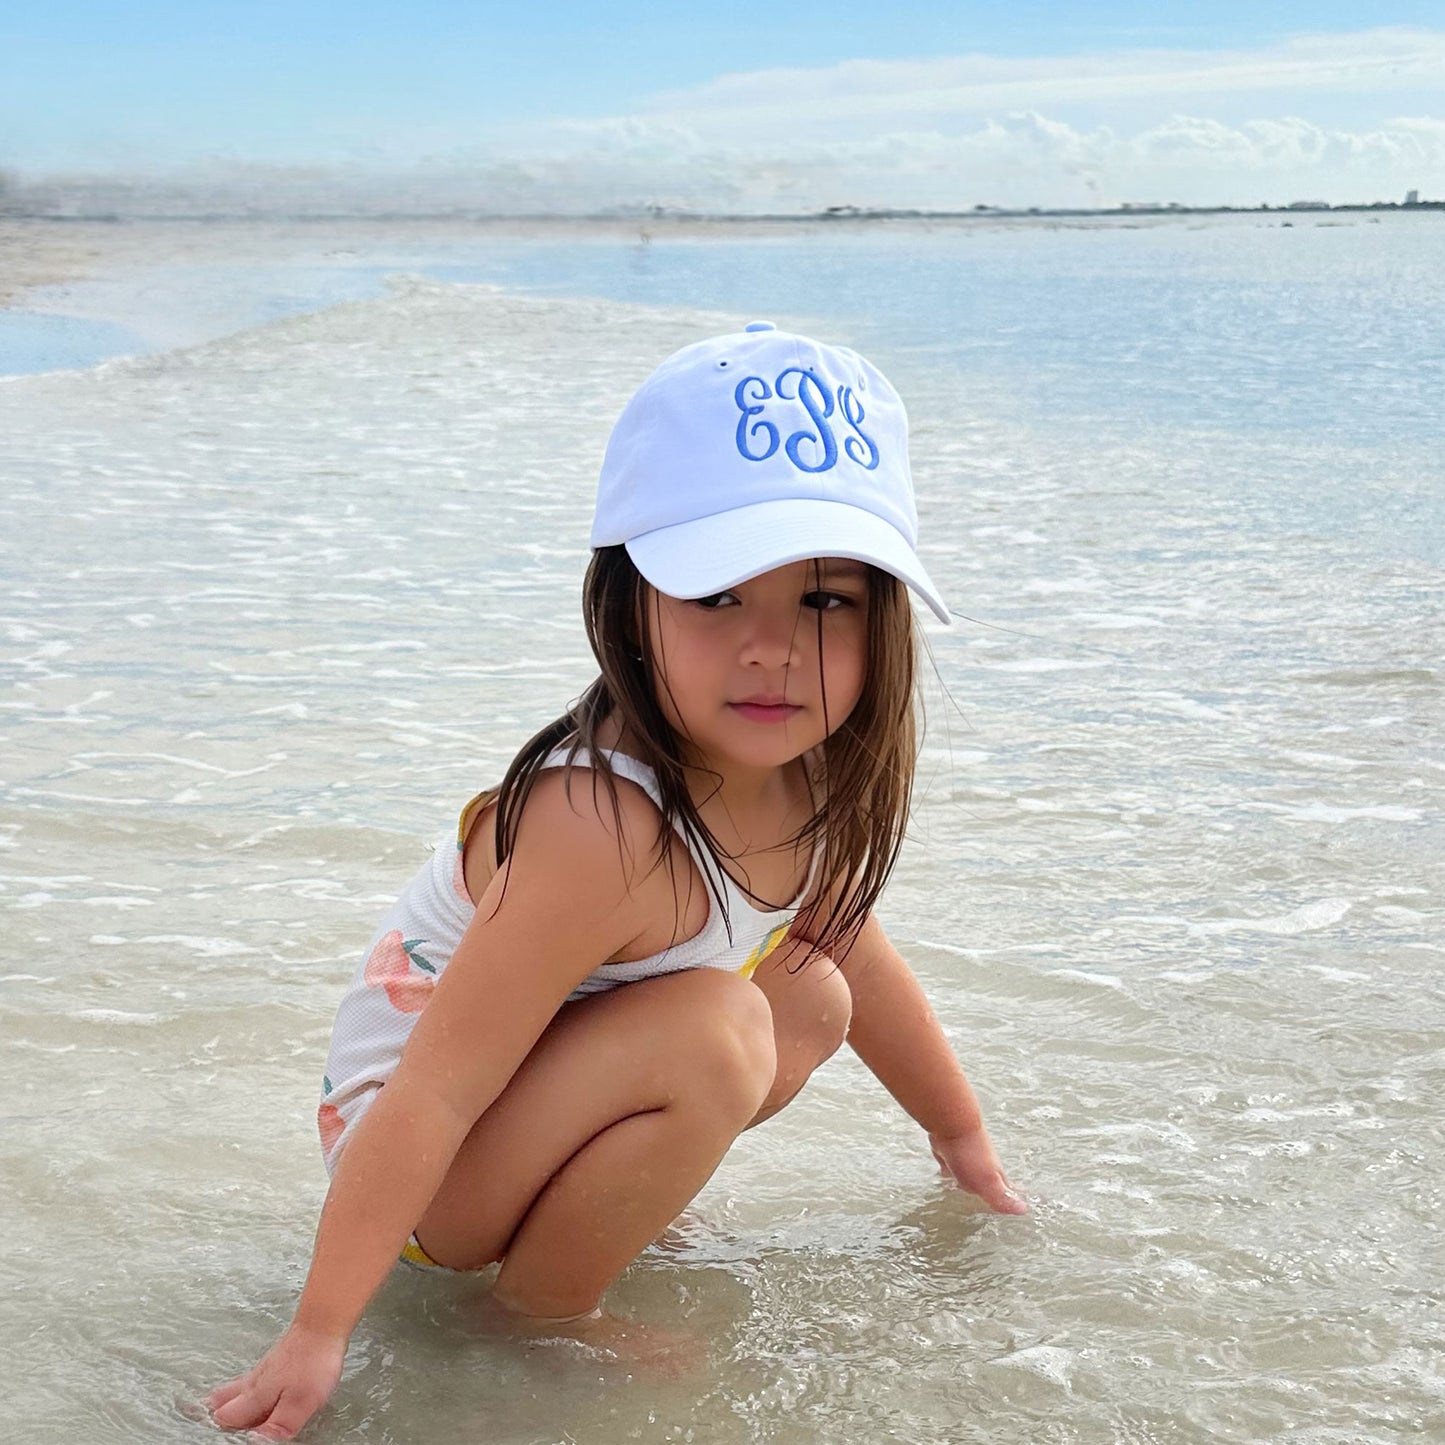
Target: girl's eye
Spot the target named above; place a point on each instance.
(715, 601)
(827, 601)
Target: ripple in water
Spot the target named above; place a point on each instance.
(281, 600)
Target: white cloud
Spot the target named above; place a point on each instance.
(628, 135)
(1015, 160)
(867, 91)
(1018, 159)
(1199, 127)
(1272, 124)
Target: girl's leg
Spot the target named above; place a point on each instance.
(812, 1008)
(612, 1124)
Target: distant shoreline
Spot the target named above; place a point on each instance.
(663, 215)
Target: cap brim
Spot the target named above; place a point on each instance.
(711, 554)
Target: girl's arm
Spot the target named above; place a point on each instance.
(568, 907)
(897, 1034)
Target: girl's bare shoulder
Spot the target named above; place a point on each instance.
(572, 817)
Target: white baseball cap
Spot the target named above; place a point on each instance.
(746, 452)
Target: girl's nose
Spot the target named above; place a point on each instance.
(772, 640)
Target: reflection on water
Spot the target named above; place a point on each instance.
(278, 602)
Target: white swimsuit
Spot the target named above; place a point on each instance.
(421, 932)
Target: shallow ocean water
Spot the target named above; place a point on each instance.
(277, 601)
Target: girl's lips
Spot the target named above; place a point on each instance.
(766, 712)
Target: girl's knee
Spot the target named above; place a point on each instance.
(724, 1036)
(826, 1027)
(812, 1009)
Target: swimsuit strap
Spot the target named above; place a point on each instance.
(636, 771)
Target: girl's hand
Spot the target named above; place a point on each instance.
(289, 1384)
(970, 1161)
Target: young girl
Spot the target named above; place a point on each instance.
(661, 923)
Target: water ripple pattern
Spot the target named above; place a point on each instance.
(277, 603)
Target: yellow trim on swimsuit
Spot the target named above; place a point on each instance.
(413, 1253)
(468, 814)
(764, 949)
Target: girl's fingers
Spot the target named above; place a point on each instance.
(994, 1189)
(291, 1412)
(242, 1410)
(1001, 1196)
(224, 1394)
(275, 1399)
(1005, 1201)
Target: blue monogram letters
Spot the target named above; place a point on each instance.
(852, 410)
(752, 394)
(819, 405)
(740, 395)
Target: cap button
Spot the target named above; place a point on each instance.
(760, 326)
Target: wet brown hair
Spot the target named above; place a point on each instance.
(862, 781)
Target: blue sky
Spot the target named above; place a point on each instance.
(584, 104)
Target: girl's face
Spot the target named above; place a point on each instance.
(756, 676)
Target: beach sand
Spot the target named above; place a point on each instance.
(44, 253)
(74, 293)
(77, 293)
(38, 252)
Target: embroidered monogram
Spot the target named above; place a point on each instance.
(810, 450)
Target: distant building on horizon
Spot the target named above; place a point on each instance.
(1412, 198)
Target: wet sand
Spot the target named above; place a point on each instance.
(75, 293)
(45, 253)
(39, 252)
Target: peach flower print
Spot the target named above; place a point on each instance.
(390, 967)
(331, 1126)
